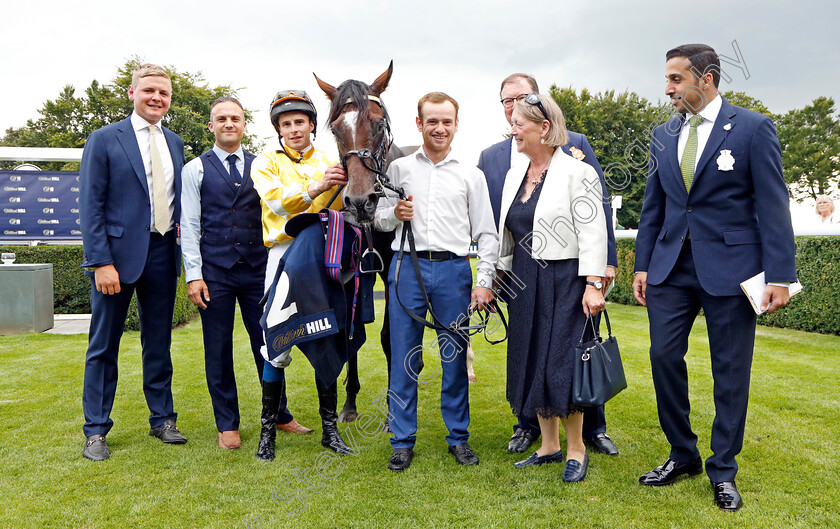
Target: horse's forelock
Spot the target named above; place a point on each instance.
(352, 90)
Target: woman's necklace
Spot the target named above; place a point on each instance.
(537, 175)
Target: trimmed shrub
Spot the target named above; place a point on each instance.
(71, 288)
(815, 309)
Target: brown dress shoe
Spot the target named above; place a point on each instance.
(229, 440)
(294, 427)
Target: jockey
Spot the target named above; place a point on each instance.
(296, 178)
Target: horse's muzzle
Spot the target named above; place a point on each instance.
(361, 208)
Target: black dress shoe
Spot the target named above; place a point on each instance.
(96, 449)
(401, 459)
(601, 443)
(522, 440)
(575, 470)
(726, 496)
(464, 455)
(670, 471)
(168, 433)
(537, 460)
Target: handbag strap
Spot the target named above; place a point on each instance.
(596, 332)
(607, 318)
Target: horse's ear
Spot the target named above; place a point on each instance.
(381, 82)
(326, 87)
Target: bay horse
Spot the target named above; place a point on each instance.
(359, 121)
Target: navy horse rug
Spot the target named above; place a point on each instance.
(319, 300)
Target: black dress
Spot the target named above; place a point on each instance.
(546, 323)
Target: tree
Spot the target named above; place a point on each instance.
(619, 128)
(68, 120)
(810, 140)
(741, 99)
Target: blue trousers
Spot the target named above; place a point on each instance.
(244, 283)
(730, 320)
(448, 284)
(155, 303)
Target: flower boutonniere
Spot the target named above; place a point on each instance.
(577, 154)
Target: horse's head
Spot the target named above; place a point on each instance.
(362, 130)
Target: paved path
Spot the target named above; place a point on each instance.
(70, 324)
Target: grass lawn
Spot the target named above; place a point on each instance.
(789, 474)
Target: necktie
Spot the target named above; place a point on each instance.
(234, 172)
(690, 153)
(159, 192)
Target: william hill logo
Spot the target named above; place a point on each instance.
(313, 327)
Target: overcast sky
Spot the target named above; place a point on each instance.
(465, 48)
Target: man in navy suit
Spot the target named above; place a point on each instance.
(495, 161)
(129, 206)
(224, 257)
(715, 213)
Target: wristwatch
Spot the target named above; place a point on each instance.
(596, 284)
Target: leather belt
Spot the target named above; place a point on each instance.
(437, 256)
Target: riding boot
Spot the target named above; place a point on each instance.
(327, 402)
(272, 395)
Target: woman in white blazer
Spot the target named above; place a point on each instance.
(554, 252)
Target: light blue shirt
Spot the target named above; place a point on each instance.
(192, 175)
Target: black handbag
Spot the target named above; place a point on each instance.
(599, 374)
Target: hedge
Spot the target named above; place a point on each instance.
(71, 289)
(815, 309)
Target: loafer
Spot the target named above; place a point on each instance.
(670, 471)
(521, 440)
(575, 471)
(464, 455)
(726, 496)
(294, 427)
(96, 449)
(168, 433)
(229, 440)
(601, 443)
(400, 459)
(537, 460)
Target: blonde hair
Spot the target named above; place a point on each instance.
(831, 202)
(557, 134)
(148, 70)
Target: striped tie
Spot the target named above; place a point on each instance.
(159, 191)
(689, 157)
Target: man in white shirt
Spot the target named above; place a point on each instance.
(448, 206)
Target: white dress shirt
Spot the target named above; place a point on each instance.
(704, 130)
(141, 131)
(192, 176)
(451, 209)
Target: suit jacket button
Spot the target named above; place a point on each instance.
(682, 239)
(689, 209)
(147, 228)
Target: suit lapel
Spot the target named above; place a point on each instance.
(504, 157)
(727, 112)
(671, 149)
(128, 140)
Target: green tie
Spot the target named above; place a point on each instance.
(690, 154)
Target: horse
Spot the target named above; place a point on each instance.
(359, 121)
